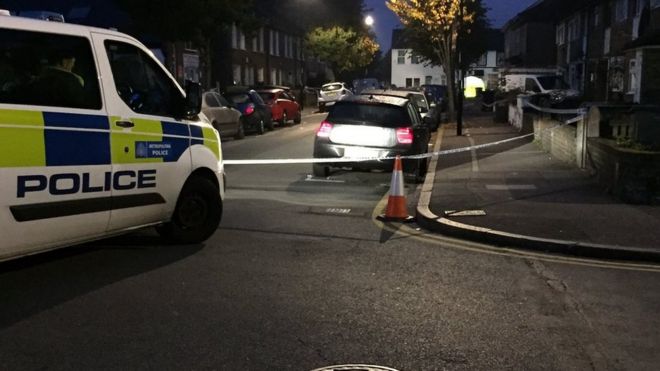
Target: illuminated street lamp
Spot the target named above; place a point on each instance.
(369, 20)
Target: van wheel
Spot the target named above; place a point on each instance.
(262, 128)
(320, 171)
(197, 214)
(298, 118)
(240, 134)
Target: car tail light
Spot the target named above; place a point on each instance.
(404, 135)
(324, 130)
(249, 110)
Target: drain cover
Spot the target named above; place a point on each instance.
(355, 368)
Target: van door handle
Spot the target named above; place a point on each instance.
(124, 124)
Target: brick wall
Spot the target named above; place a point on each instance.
(561, 142)
(629, 175)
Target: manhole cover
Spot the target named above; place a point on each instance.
(355, 368)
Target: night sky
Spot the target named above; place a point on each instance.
(500, 12)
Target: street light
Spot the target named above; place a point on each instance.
(369, 20)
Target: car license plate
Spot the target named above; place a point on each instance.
(358, 152)
(331, 94)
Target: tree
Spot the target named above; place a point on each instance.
(435, 27)
(198, 21)
(344, 49)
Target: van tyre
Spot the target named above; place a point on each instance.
(320, 171)
(261, 128)
(298, 118)
(197, 214)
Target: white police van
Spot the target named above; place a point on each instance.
(98, 139)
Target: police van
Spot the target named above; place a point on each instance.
(98, 139)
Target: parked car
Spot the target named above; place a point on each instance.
(331, 93)
(375, 126)
(360, 85)
(283, 105)
(256, 114)
(428, 111)
(223, 117)
(437, 94)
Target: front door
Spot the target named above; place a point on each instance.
(150, 147)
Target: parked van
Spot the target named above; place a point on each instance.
(552, 85)
(98, 139)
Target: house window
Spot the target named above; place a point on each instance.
(428, 80)
(234, 36)
(237, 74)
(414, 59)
(632, 76)
(443, 79)
(560, 34)
(597, 16)
(408, 82)
(260, 75)
(574, 28)
(483, 60)
(416, 82)
(621, 10)
(401, 57)
(261, 41)
(271, 44)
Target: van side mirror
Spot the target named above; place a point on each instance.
(193, 101)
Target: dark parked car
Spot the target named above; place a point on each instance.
(438, 95)
(256, 114)
(364, 126)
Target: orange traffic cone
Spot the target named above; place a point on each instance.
(396, 211)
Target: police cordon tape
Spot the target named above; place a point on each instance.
(334, 160)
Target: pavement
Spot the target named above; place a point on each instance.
(517, 195)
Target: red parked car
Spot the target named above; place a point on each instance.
(282, 104)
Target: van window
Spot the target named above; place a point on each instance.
(141, 82)
(531, 85)
(46, 69)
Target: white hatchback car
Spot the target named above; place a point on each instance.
(331, 93)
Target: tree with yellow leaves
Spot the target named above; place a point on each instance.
(436, 26)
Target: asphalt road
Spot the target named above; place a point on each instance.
(300, 276)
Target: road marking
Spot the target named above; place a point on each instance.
(451, 213)
(334, 210)
(311, 178)
(475, 159)
(511, 187)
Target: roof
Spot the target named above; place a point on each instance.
(262, 90)
(376, 99)
(65, 28)
(391, 92)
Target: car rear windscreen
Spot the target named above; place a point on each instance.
(331, 87)
(384, 115)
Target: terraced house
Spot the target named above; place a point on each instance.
(607, 49)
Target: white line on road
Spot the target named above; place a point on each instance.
(510, 187)
(475, 159)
